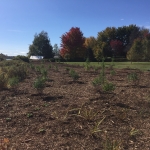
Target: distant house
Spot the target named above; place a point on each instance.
(56, 57)
(36, 57)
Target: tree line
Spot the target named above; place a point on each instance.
(131, 42)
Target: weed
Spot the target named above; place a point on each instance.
(95, 68)
(87, 64)
(134, 132)
(36, 109)
(45, 105)
(67, 69)
(50, 66)
(96, 127)
(112, 72)
(44, 72)
(8, 119)
(97, 81)
(56, 68)
(132, 76)
(42, 130)
(29, 115)
(112, 145)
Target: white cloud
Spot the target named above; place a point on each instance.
(122, 19)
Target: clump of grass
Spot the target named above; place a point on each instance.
(74, 75)
(112, 145)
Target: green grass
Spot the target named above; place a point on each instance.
(144, 66)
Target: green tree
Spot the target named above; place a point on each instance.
(90, 43)
(146, 47)
(103, 40)
(136, 52)
(41, 46)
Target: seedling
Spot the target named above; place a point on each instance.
(134, 132)
(8, 119)
(29, 115)
(42, 130)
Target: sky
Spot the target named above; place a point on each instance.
(20, 20)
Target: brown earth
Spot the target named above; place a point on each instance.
(75, 115)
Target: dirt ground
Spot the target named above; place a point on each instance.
(75, 115)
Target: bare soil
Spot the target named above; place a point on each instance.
(75, 115)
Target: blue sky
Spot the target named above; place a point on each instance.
(21, 19)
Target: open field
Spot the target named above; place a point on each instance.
(145, 66)
(73, 114)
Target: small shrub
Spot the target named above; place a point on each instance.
(112, 72)
(132, 76)
(87, 64)
(74, 74)
(95, 68)
(108, 87)
(39, 84)
(44, 72)
(97, 81)
(67, 69)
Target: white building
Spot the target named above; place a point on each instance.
(36, 57)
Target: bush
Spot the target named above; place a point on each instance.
(74, 74)
(9, 70)
(12, 82)
(39, 83)
(23, 58)
(108, 87)
(97, 81)
(132, 76)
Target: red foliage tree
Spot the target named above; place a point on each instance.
(117, 47)
(72, 44)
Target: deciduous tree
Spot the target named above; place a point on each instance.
(72, 44)
(117, 47)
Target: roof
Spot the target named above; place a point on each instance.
(36, 57)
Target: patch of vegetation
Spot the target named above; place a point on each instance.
(11, 72)
(39, 84)
(23, 58)
(74, 75)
